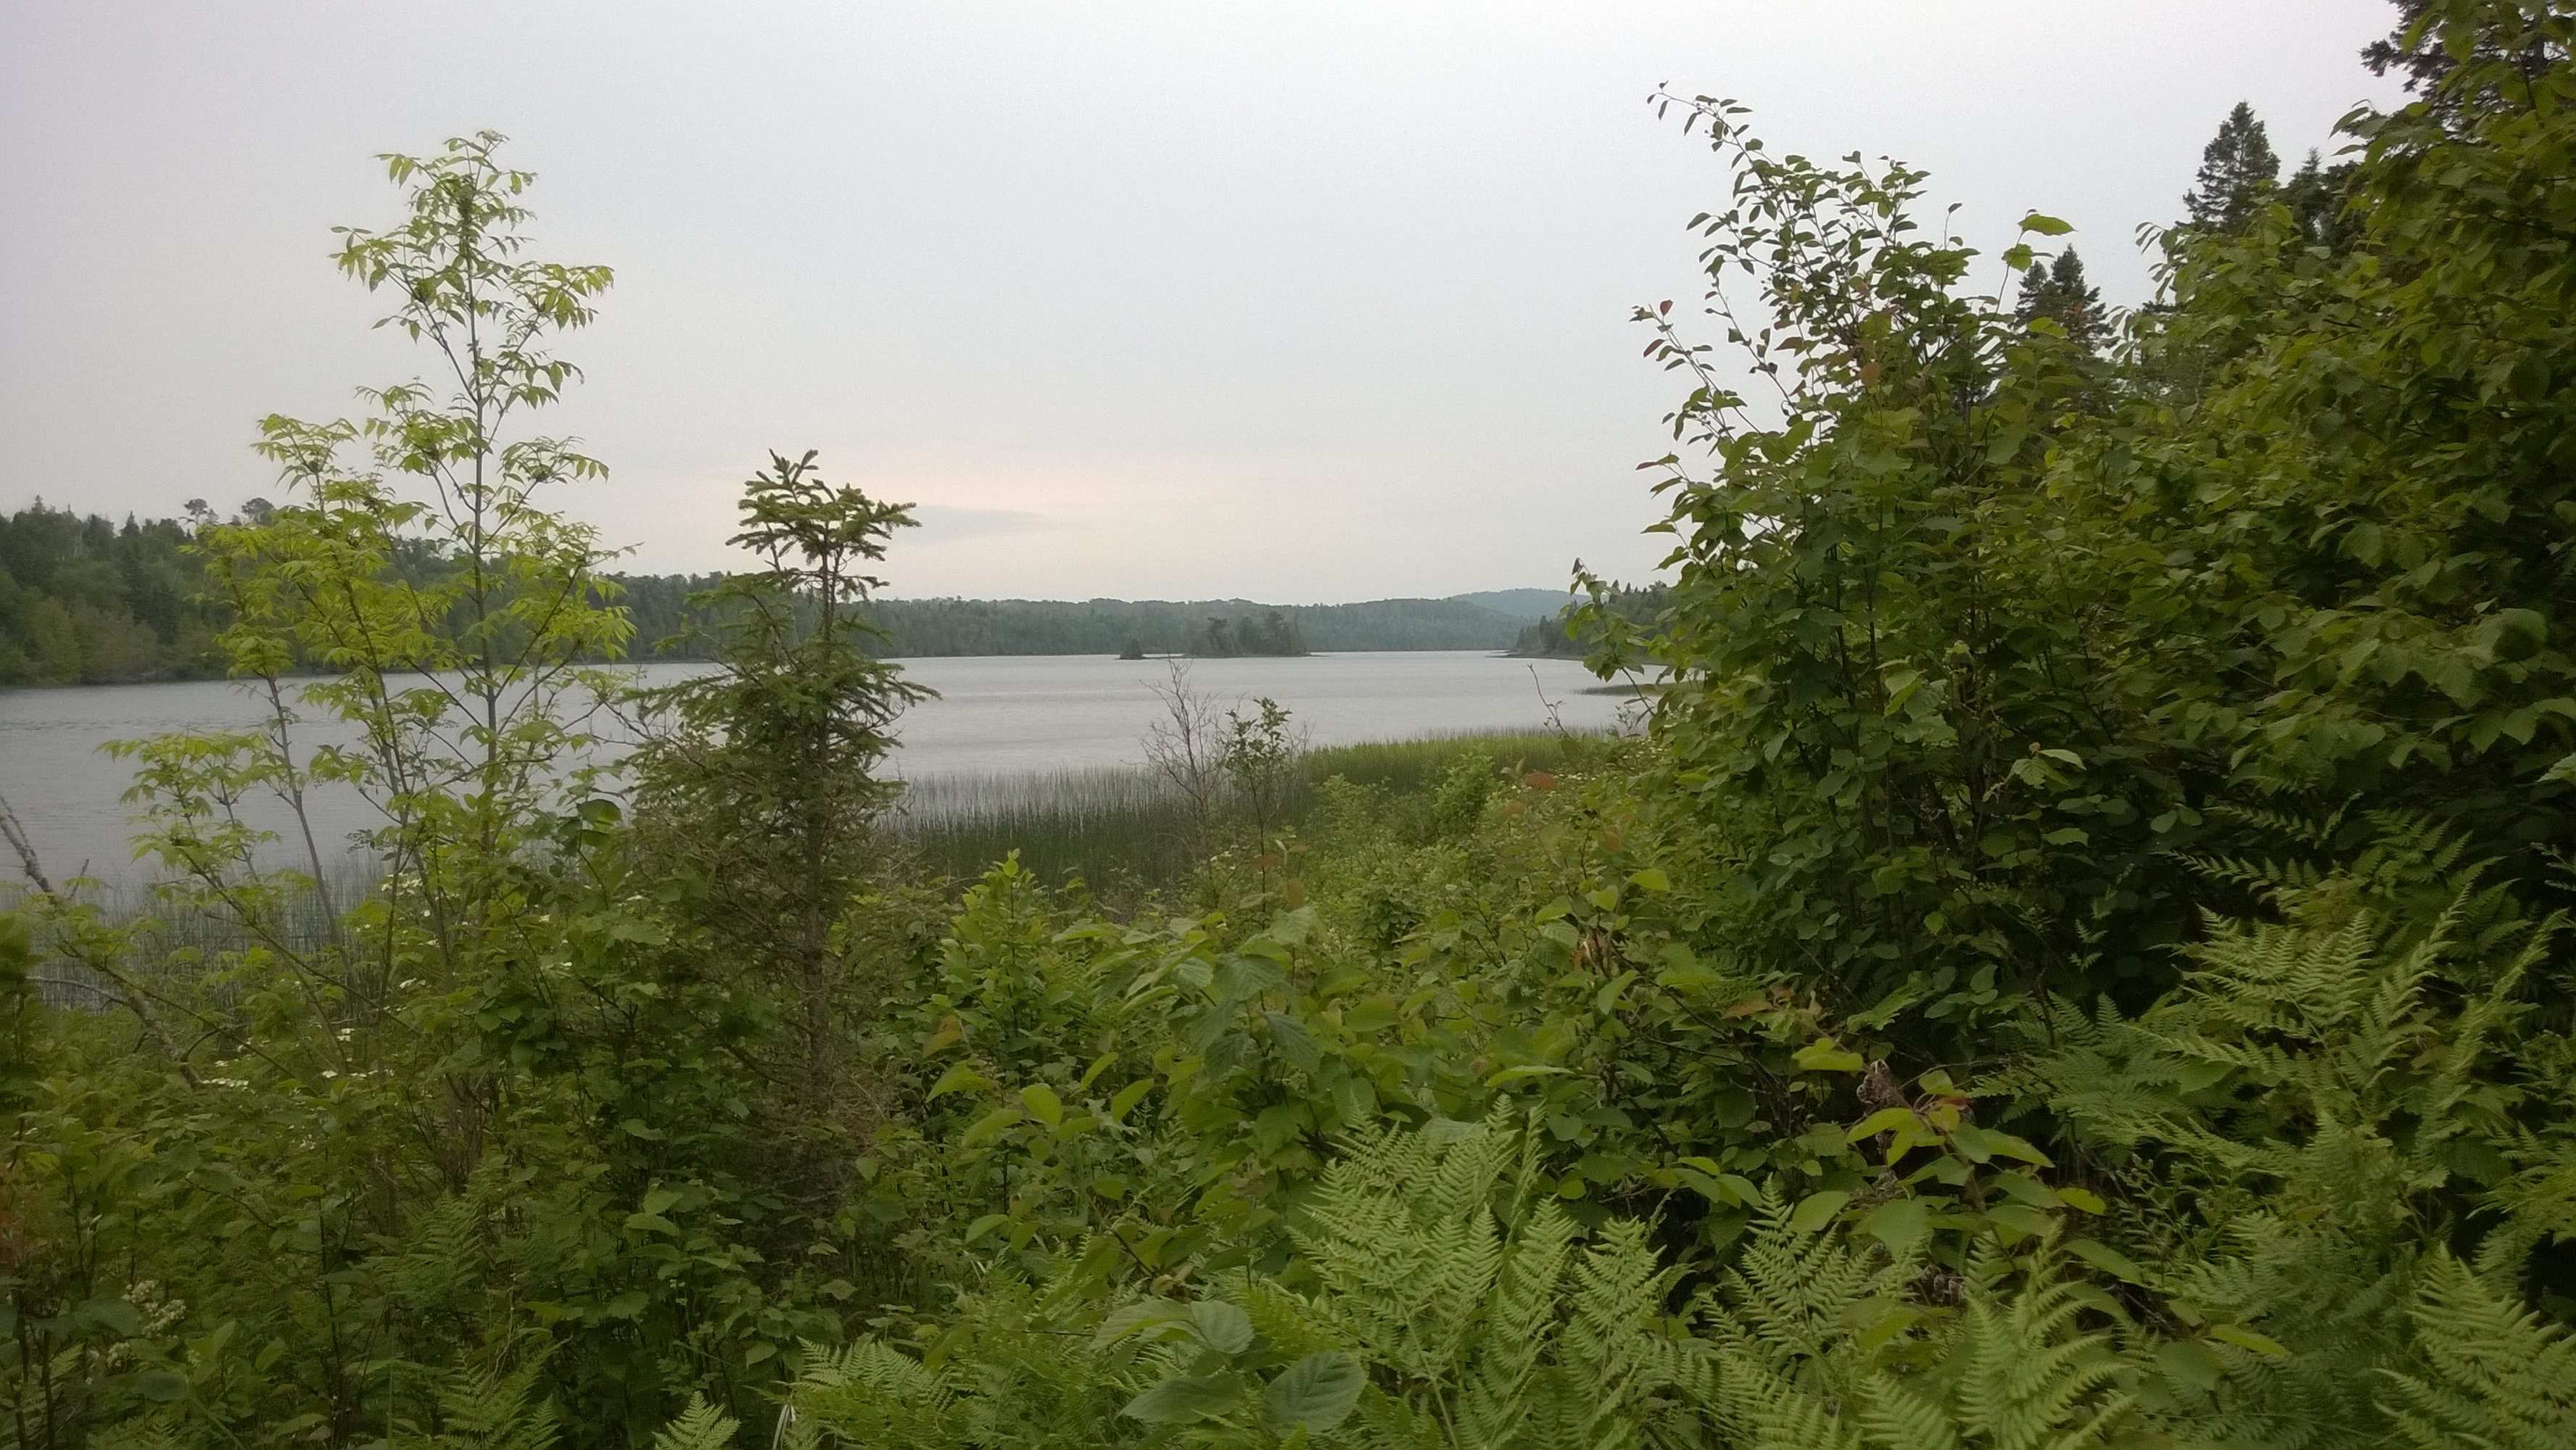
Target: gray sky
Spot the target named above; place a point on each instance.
(1298, 302)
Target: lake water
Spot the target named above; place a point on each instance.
(995, 715)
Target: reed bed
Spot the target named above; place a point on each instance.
(1121, 829)
(1410, 765)
(170, 931)
(1126, 831)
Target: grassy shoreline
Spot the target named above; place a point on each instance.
(1124, 832)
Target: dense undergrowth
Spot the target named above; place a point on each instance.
(2078, 957)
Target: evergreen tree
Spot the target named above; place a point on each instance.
(2059, 291)
(2319, 198)
(2238, 172)
(2426, 50)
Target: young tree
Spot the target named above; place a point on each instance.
(456, 611)
(2238, 173)
(765, 780)
(1261, 753)
(1186, 751)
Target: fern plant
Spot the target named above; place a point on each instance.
(2493, 1374)
(2322, 1105)
(1438, 1299)
(1462, 1292)
(701, 1426)
(1823, 1340)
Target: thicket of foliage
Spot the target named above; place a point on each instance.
(84, 601)
(2079, 958)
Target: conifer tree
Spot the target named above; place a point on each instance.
(2059, 291)
(2427, 46)
(2320, 198)
(2238, 172)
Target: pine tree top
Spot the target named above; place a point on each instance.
(2238, 172)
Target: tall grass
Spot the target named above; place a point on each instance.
(1409, 765)
(1126, 832)
(169, 930)
(1121, 829)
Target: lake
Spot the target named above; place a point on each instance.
(995, 715)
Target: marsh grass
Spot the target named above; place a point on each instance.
(1127, 833)
(1122, 831)
(1119, 829)
(1411, 765)
(176, 935)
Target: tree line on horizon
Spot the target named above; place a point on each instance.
(2082, 955)
(85, 600)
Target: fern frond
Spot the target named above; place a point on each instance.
(2490, 1372)
(701, 1426)
(1894, 1415)
(1522, 1304)
(872, 1394)
(484, 1411)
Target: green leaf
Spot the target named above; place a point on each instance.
(1186, 1399)
(1294, 1043)
(1826, 1055)
(1818, 1210)
(959, 1079)
(161, 1385)
(1128, 1097)
(1043, 1104)
(1293, 927)
(1651, 879)
(1885, 1120)
(1137, 1318)
(989, 1126)
(1316, 1393)
(2109, 1260)
(1241, 978)
(116, 1316)
(1369, 1015)
(1897, 1223)
(1222, 1327)
(1354, 1098)
(2246, 1339)
(2020, 1217)
(2046, 226)
(2190, 1361)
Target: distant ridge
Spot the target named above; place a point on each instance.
(919, 628)
(1518, 603)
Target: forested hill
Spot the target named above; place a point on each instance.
(1147, 626)
(85, 600)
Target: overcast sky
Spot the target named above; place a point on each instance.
(1295, 302)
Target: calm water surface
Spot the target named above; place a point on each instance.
(995, 714)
